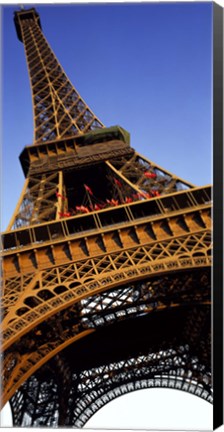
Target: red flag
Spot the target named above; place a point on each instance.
(97, 207)
(114, 202)
(117, 182)
(84, 209)
(64, 214)
(87, 188)
(142, 195)
(150, 175)
(60, 196)
(135, 196)
(155, 193)
(101, 206)
(128, 200)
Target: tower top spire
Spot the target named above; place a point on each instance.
(25, 14)
(58, 109)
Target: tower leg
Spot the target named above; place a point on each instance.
(64, 383)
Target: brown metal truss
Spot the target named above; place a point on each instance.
(106, 264)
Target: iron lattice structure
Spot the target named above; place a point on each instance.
(106, 263)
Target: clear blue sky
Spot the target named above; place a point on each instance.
(146, 67)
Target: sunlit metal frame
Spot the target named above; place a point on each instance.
(66, 275)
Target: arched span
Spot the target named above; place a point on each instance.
(100, 310)
(137, 350)
(38, 304)
(168, 382)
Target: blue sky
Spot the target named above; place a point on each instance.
(144, 66)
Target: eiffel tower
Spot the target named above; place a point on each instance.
(106, 263)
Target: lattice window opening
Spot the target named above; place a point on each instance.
(19, 222)
(39, 86)
(92, 319)
(89, 381)
(41, 42)
(143, 163)
(69, 103)
(16, 404)
(42, 93)
(67, 97)
(45, 126)
(11, 294)
(53, 69)
(24, 216)
(30, 49)
(34, 62)
(42, 45)
(123, 161)
(39, 89)
(114, 299)
(95, 321)
(38, 78)
(44, 180)
(55, 77)
(66, 91)
(43, 111)
(32, 56)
